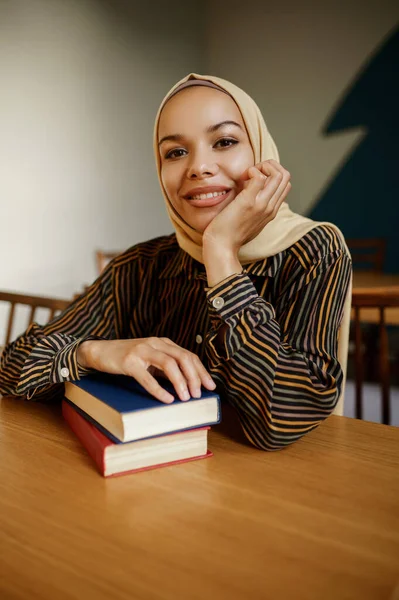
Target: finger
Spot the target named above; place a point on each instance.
(157, 373)
(149, 383)
(169, 365)
(267, 167)
(255, 185)
(191, 374)
(245, 176)
(275, 184)
(196, 374)
(276, 164)
(282, 198)
(192, 368)
(169, 341)
(273, 170)
(273, 204)
(254, 172)
(279, 197)
(206, 378)
(158, 354)
(204, 375)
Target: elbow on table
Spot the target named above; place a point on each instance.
(272, 438)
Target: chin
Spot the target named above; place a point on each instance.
(199, 227)
(203, 217)
(200, 224)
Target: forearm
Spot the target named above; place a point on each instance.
(282, 375)
(36, 365)
(44, 357)
(279, 394)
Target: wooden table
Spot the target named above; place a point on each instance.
(368, 279)
(319, 520)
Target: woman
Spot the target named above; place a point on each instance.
(246, 295)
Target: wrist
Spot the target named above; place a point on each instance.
(84, 354)
(220, 262)
(214, 249)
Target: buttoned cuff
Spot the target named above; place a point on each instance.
(236, 311)
(52, 360)
(65, 365)
(231, 296)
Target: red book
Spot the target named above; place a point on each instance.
(120, 458)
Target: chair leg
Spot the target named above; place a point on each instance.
(384, 370)
(358, 366)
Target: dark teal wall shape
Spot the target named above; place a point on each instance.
(363, 199)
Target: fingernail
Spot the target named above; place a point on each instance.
(166, 397)
(197, 393)
(185, 395)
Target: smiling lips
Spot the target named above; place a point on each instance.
(207, 196)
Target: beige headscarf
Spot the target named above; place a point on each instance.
(278, 235)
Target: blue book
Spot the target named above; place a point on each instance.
(128, 412)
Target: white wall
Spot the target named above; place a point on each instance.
(80, 84)
(296, 60)
(81, 81)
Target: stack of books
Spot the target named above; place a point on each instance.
(125, 429)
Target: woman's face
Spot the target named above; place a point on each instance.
(204, 150)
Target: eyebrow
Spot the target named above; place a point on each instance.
(177, 137)
(214, 128)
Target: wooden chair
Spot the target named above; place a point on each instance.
(103, 258)
(368, 254)
(379, 298)
(54, 306)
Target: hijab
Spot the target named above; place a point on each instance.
(280, 233)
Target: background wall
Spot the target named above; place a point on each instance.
(298, 60)
(81, 81)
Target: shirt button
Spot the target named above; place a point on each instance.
(64, 372)
(218, 302)
(198, 338)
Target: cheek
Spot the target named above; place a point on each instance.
(168, 180)
(239, 162)
(172, 174)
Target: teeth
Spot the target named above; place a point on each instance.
(210, 195)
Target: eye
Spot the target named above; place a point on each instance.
(225, 142)
(176, 153)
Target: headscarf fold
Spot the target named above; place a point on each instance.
(278, 235)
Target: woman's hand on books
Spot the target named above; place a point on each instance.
(138, 357)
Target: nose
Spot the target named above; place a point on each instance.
(201, 166)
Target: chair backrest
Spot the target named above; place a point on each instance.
(103, 258)
(54, 306)
(368, 253)
(380, 298)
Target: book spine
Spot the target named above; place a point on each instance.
(86, 434)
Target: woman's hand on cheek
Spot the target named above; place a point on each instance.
(266, 186)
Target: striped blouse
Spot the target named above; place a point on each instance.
(268, 335)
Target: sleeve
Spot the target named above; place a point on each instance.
(36, 364)
(277, 365)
